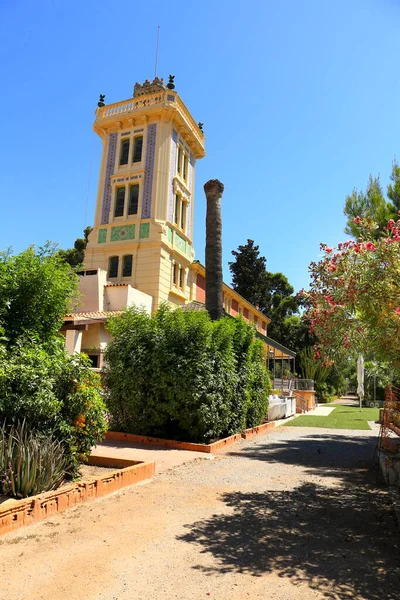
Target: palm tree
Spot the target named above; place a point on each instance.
(214, 190)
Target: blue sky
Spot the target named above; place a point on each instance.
(300, 103)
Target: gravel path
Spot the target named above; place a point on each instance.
(293, 514)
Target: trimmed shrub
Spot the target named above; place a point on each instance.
(179, 375)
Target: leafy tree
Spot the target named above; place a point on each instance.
(372, 204)
(75, 256)
(273, 295)
(37, 288)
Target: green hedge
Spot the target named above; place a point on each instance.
(179, 375)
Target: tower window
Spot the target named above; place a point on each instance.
(183, 215)
(123, 160)
(127, 266)
(113, 266)
(137, 149)
(181, 277)
(119, 202)
(133, 200)
(179, 163)
(175, 274)
(185, 164)
(177, 207)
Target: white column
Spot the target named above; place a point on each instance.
(73, 341)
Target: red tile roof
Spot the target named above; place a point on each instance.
(99, 314)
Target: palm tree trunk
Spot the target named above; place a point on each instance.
(214, 190)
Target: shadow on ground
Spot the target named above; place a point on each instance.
(341, 538)
(341, 541)
(325, 455)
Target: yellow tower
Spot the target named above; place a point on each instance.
(143, 225)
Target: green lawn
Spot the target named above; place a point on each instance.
(343, 417)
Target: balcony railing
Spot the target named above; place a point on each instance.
(130, 105)
(293, 384)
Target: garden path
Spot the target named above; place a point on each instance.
(295, 514)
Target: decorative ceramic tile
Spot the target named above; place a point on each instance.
(102, 236)
(170, 235)
(137, 130)
(180, 243)
(172, 175)
(144, 230)
(110, 165)
(123, 232)
(170, 98)
(125, 133)
(149, 166)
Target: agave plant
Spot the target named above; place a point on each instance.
(29, 463)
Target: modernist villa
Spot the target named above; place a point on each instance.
(140, 251)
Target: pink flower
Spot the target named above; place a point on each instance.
(332, 268)
(398, 310)
(328, 249)
(357, 220)
(390, 223)
(370, 246)
(330, 300)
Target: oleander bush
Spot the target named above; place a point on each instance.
(179, 375)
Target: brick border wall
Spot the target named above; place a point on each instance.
(30, 510)
(247, 434)
(173, 444)
(213, 448)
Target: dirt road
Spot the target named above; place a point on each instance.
(294, 514)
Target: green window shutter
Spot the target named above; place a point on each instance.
(133, 200)
(119, 202)
(127, 266)
(124, 152)
(137, 149)
(113, 266)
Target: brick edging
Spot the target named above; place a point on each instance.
(35, 508)
(213, 448)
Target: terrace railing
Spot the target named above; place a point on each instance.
(293, 384)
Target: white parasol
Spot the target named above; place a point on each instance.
(360, 377)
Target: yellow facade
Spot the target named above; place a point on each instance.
(140, 251)
(151, 221)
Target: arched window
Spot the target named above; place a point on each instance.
(127, 266)
(113, 266)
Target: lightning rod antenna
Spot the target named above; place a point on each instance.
(158, 37)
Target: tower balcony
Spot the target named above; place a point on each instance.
(163, 103)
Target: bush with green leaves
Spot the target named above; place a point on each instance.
(179, 375)
(53, 392)
(56, 394)
(30, 462)
(37, 289)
